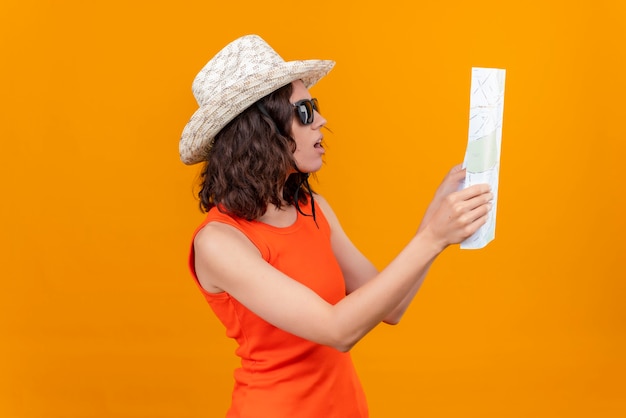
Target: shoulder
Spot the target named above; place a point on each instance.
(329, 214)
(217, 238)
(217, 246)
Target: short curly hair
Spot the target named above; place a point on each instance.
(251, 159)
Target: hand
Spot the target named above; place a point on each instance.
(450, 183)
(454, 215)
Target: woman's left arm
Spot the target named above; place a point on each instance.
(357, 269)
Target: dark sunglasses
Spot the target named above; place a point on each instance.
(305, 109)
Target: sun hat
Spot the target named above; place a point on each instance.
(244, 71)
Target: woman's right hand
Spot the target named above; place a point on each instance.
(450, 183)
(453, 217)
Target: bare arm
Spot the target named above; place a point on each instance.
(227, 261)
(358, 270)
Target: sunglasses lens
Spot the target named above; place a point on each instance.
(305, 110)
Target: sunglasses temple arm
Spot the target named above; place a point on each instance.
(265, 113)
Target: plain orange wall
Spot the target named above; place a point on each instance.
(98, 315)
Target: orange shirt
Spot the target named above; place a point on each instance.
(282, 375)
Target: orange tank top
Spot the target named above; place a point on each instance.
(282, 375)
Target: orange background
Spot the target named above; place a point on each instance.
(99, 317)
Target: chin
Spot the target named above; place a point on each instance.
(313, 168)
(310, 167)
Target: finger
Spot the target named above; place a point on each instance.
(457, 173)
(468, 211)
(475, 190)
(455, 176)
(479, 200)
(457, 168)
(476, 218)
(464, 212)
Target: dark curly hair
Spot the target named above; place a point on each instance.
(250, 160)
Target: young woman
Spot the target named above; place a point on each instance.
(271, 257)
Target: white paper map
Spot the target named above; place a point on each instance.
(482, 157)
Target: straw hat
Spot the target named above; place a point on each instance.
(243, 72)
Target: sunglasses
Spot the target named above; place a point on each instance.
(305, 109)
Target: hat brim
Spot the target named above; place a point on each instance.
(220, 109)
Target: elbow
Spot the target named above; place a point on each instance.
(345, 347)
(394, 318)
(391, 321)
(344, 342)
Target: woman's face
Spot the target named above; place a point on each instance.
(309, 149)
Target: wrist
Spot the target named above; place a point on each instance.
(429, 241)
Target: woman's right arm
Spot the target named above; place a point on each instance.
(226, 260)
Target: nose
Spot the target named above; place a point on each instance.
(318, 120)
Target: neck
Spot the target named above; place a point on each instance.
(281, 218)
